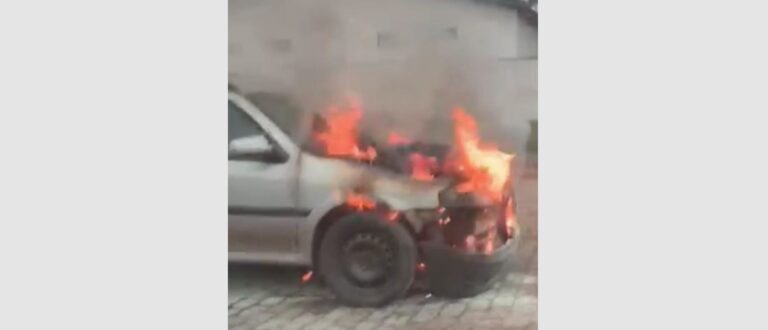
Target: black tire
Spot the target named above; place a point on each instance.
(344, 256)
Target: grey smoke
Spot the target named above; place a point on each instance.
(409, 61)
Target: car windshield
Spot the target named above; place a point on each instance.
(281, 109)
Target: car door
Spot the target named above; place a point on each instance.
(262, 188)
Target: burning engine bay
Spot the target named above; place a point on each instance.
(455, 199)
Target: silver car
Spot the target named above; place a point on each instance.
(290, 205)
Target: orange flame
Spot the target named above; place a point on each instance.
(422, 167)
(306, 277)
(488, 249)
(393, 216)
(510, 217)
(444, 221)
(485, 168)
(470, 242)
(360, 202)
(395, 139)
(340, 135)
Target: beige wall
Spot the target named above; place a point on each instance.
(324, 49)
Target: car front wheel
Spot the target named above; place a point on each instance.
(367, 260)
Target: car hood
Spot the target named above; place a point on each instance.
(399, 191)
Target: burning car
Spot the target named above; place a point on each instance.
(367, 217)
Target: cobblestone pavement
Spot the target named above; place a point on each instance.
(274, 298)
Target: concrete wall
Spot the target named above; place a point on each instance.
(409, 61)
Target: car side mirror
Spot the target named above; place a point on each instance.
(253, 147)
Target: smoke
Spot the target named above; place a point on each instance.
(409, 62)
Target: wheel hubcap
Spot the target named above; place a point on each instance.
(367, 259)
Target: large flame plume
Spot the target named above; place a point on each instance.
(484, 168)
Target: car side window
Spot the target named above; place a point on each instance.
(240, 124)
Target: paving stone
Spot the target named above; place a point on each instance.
(255, 320)
(526, 301)
(236, 321)
(425, 315)
(301, 300)
(244, 303)
(385, 327)
(319, 325)
(300, 321)
(490, 294)
(251, 311)
(520, 320)
(507, 293)
(503, 302)
(529, 290)
(460, 327)
(470, 315)
(439, 324)
(271, 301)
(452, 310)
(235, 297)
(488, 322)
(327, 321)
(396, 320)
(336, 314)
(271, 324)
(434, 304)
(334, 327)
(432, 310)
(367, 325)
(381, 313)
(289, 313)
(522, 316)
(409, 305)
(528, 279)
(478, 305)
(351, 320)
(514, 277)
(525, 308)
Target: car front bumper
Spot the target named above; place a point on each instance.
(454, 273)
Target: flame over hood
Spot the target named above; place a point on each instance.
(340, 136)
(479, 167)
